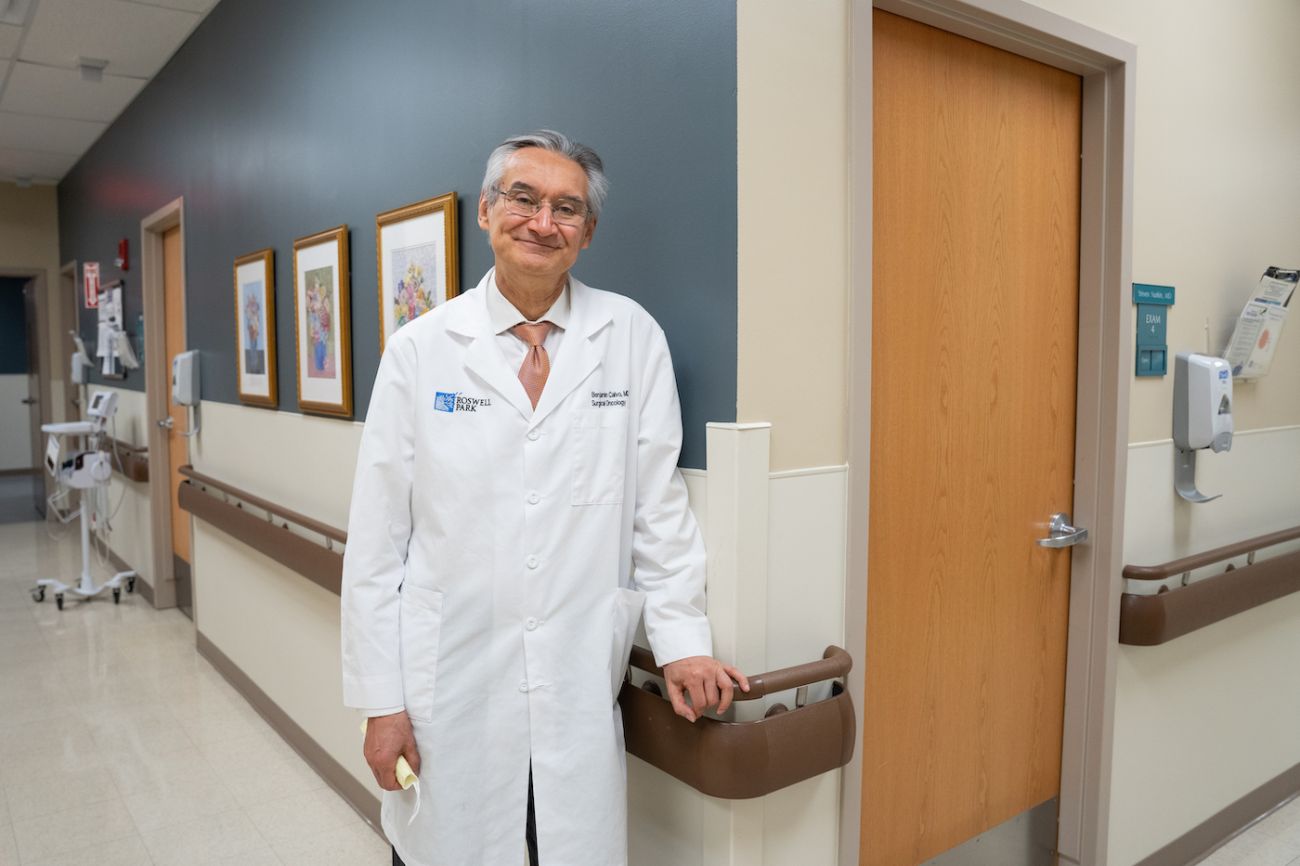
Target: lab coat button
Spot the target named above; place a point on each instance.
(533, 435)
(523, 687)
(531, 562)
(534, 498)
(531, 624)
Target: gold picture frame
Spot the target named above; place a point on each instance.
(415, 252)
(255, 327)
(322, 326)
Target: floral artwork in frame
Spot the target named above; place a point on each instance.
(321, 322)
(416, 249)
(255, 327)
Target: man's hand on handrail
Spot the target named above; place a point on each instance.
(705, 681)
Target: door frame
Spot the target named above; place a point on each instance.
(44, 355)
(1107, 67)
(157, 377)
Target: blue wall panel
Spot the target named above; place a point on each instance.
(277, 120)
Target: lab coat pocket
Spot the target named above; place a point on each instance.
(627, 615)
(421, 624)
(599, 456)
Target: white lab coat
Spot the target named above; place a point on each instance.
(488, 580)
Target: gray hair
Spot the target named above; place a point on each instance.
(555, 142)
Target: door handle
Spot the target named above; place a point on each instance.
(1061, 533)
(167, 423)
(29, 401)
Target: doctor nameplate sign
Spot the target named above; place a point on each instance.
(1153, 304)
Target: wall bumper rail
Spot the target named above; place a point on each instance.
(741, 760)
(228, 509)
(132, 461)
(733, 760)
(1153, 619)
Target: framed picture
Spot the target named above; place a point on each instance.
(416, 247)
(255, 327)
(320, 301)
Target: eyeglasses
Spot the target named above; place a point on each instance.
(565, 212)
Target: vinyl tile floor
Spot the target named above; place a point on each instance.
(1271, 841)
(120, 745)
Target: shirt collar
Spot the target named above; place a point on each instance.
(504, 316)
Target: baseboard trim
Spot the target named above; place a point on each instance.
(358, 796)
(141, 585)
(1228, 822)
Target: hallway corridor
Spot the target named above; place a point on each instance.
(120, 746)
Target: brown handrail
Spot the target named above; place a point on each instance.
(1210, 557)
(740, 760)
(1150, 620)
(722, 759)
(834, 663)
(132, 460)
(301, 519)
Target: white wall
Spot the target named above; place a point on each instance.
(15, 424)
(1209, 717)
(132, 534)
(281, 629)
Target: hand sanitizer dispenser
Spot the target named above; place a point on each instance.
(1202, 416)
(185, 378)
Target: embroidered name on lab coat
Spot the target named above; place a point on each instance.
(600, 399)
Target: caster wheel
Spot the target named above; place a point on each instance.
(117, 596)
(130, 584)
(58, 600)
(38, 595)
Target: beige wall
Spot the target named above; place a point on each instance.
(1209, 717)
(1215, 189)
(29, 240)
(1215, 199)
(792, 226)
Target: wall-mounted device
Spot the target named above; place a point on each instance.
(185, 388)
(185, 378)
(1202, 416)
(80, 361)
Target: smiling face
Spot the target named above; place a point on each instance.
(535, 249)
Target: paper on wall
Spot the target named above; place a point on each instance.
(1254, 338)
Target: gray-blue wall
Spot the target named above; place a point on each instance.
(278, 120)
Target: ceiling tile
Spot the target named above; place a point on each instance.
(202, 7)
(34, 164)
(136, 39)
(53, 92)
(50, 134)
(9, 36)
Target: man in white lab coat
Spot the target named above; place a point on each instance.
(517, 505)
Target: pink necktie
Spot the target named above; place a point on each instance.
(536, 366)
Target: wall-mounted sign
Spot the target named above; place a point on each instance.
(90, 279)
(1153, 303)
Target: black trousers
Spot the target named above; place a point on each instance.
(530, 830)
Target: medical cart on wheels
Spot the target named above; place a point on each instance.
(90, 466)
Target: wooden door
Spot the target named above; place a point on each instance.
(178, 445)
(974, 334)
(33, 398)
